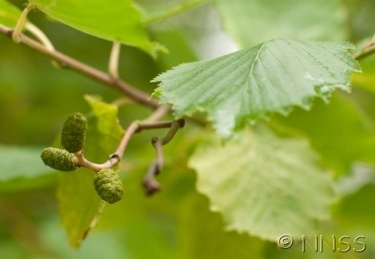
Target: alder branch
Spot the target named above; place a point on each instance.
(89, 71)
(149, 123)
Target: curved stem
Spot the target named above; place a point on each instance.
(136, 126)
(35, 31)
(16, 34)
(114, 60)
(150, 184)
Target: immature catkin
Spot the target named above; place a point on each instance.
(73, 133)
(58, 159)
(108, 185)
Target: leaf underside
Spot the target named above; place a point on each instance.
(252, 83)
(118, 21)
(287, 196)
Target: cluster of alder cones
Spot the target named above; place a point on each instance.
(106, 181)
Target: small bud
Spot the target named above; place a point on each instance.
(73, 133)
(58, 159)
(108, 185)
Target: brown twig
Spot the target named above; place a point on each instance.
(150, 184)
(367, 50)
(96, 74)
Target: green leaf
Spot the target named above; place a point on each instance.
(9, 14)
(252, 22)
(108, 124)
(362, 18)
(21, 162)
(21, 169)
(366, 80)
(248, 84)
(115, 21)
(78, 201)
(262, 184)
(340, 132)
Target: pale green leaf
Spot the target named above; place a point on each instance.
(252, 22)
(79, 203)
(245, 85)
(203, 234)
(262, 184)
(113, 21)
(9, 14)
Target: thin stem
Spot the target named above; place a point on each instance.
(176, 125)
(16, 34)
(114, 60)
(137, 126)
(174, 11)
(154, 125)
(82, 161)
(367, 50)
(35, 31)
(131, 130)
(150, 184)
(100, 76)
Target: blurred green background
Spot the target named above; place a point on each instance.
(36, 98)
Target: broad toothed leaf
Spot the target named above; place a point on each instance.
(263, 184)
(271, 77)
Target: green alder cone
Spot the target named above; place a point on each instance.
(58, 159)
(108, 185)
(73, 134)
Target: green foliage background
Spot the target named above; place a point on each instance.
(35, 98)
